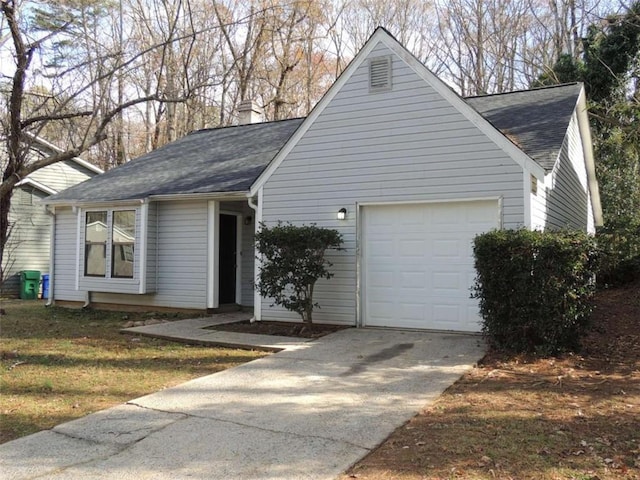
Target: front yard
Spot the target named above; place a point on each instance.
(572, 417)
(59, 364)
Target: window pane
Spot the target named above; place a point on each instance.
(95, 244)
(123, 238)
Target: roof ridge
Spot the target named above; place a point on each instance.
(524, 90)
(224, 127)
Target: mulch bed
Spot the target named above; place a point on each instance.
(283, 329)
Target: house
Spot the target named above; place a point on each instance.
(29, 242)
(419, 171)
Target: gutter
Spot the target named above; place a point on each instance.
(587, 148)
(221, 196)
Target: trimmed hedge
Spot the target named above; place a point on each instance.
(534, 288)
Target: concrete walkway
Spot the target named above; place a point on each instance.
(307, 412)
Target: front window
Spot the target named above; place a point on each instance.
(123, 234)
(95, 240)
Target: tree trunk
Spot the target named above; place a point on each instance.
(5, 206)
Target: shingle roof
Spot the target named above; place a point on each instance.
(535, 120)
(221, 160)
(230, 159)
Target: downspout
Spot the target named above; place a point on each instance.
(87, 299)
(51, 211)
(254, 207)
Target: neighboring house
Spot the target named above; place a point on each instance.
(419, 170)
(30, 242)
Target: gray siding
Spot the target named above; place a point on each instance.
(62, 175)
(64, 281)
(539, 205)
(407, 144)
(182, 259)
(28, 246)
(181, 266)
(568, 203)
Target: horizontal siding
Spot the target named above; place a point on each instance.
(181, 266)
(539, 205)
(61, 175)
(568, 204)
(182, 259)
(29, 244)
(407, 144)
(29, 247)
(64, 281)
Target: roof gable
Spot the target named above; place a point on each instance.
(382, 36)
(41, 143)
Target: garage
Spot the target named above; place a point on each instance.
(417, 263)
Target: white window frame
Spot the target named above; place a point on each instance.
(132, 285)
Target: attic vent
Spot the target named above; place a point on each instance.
(380, 74)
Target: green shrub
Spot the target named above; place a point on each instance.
(534, 288)
(292, 261)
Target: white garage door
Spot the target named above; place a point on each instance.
(417, 264)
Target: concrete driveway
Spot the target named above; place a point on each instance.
(308, 412)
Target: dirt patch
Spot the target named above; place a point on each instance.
(283, 329)
(569, 417)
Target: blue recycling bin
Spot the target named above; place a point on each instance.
(45, 285)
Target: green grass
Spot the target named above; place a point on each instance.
(58, 364)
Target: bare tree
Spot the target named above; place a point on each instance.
(82, 95)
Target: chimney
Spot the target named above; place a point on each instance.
(249, 112)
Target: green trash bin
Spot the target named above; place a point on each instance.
(29, 284)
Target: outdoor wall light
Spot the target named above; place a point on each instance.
(342, 214)
(247, 220)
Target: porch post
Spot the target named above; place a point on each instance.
(213, 252)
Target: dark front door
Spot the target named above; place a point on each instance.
(227, 279)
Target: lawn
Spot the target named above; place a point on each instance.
(58, 364)
(569, 417)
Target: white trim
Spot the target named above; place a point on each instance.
(52, 252)
(213, 250)
(495, 135)
(315, 113)
(97, 205)
(257, 299)
(239, 224)
(56, 149)
(359, 317)
(34, 183)
(382, 36)
(142, 255)
(221, 197)
(79, 214)
(441, 200)
(526, 198)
